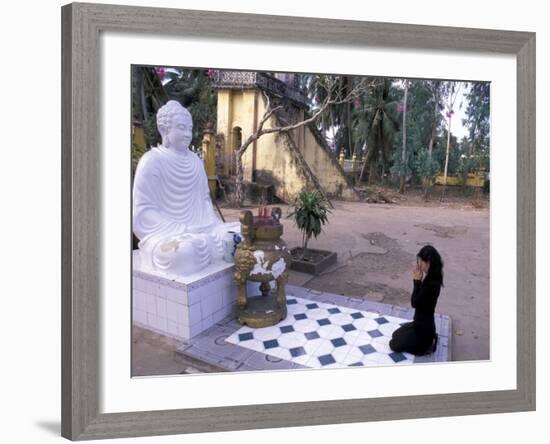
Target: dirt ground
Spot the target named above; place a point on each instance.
(377, 245)
(153, 354)
(454, 197)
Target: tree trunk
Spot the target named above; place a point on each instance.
(426, 195)
(306, 242)
(436, 112)
(428, 184)
(446, 161)
(431, 142)
(449, 111)
(447, 154)
(476, 144)
(365, 160)
(428, 180)
(348, 124)
(404, 154)
(143, 102)
(239, 195)
(372, 172)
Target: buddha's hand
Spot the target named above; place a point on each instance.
(172, 245)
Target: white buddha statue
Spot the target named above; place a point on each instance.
(173, 216)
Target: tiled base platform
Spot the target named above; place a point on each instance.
(182, 307)
(322, 330)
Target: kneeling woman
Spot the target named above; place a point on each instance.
(419, 337)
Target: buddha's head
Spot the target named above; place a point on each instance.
(175, 126)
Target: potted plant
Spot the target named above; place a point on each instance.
(310, 214)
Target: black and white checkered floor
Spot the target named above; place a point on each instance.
(320, 335)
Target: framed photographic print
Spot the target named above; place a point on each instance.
(193, 144)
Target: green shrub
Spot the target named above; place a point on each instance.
(310, 214)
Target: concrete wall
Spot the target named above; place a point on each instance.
(276, 164)
(473, 180)
(327, 169)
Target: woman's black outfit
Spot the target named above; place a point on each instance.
(419, 337)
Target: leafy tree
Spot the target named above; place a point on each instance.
(478, 124)
(423, 116)
(425, 108)
(152, 135)
(435, 88)
(153, 87)
(426, 167)
(440, 152)
(466, 162)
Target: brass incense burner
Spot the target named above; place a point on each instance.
(263, 257)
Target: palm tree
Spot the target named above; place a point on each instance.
(376, 122)
(193, 89)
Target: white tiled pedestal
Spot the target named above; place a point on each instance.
(182, 307)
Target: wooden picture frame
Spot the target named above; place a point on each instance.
(81, 26)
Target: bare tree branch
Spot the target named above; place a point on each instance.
(279, 129)
(328, 101)
(268, 113)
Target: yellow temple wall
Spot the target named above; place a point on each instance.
(473, 180)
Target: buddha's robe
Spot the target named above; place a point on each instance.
(173, 216)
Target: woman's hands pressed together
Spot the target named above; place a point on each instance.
(417, 273)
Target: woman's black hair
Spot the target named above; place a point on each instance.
(429, 254)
